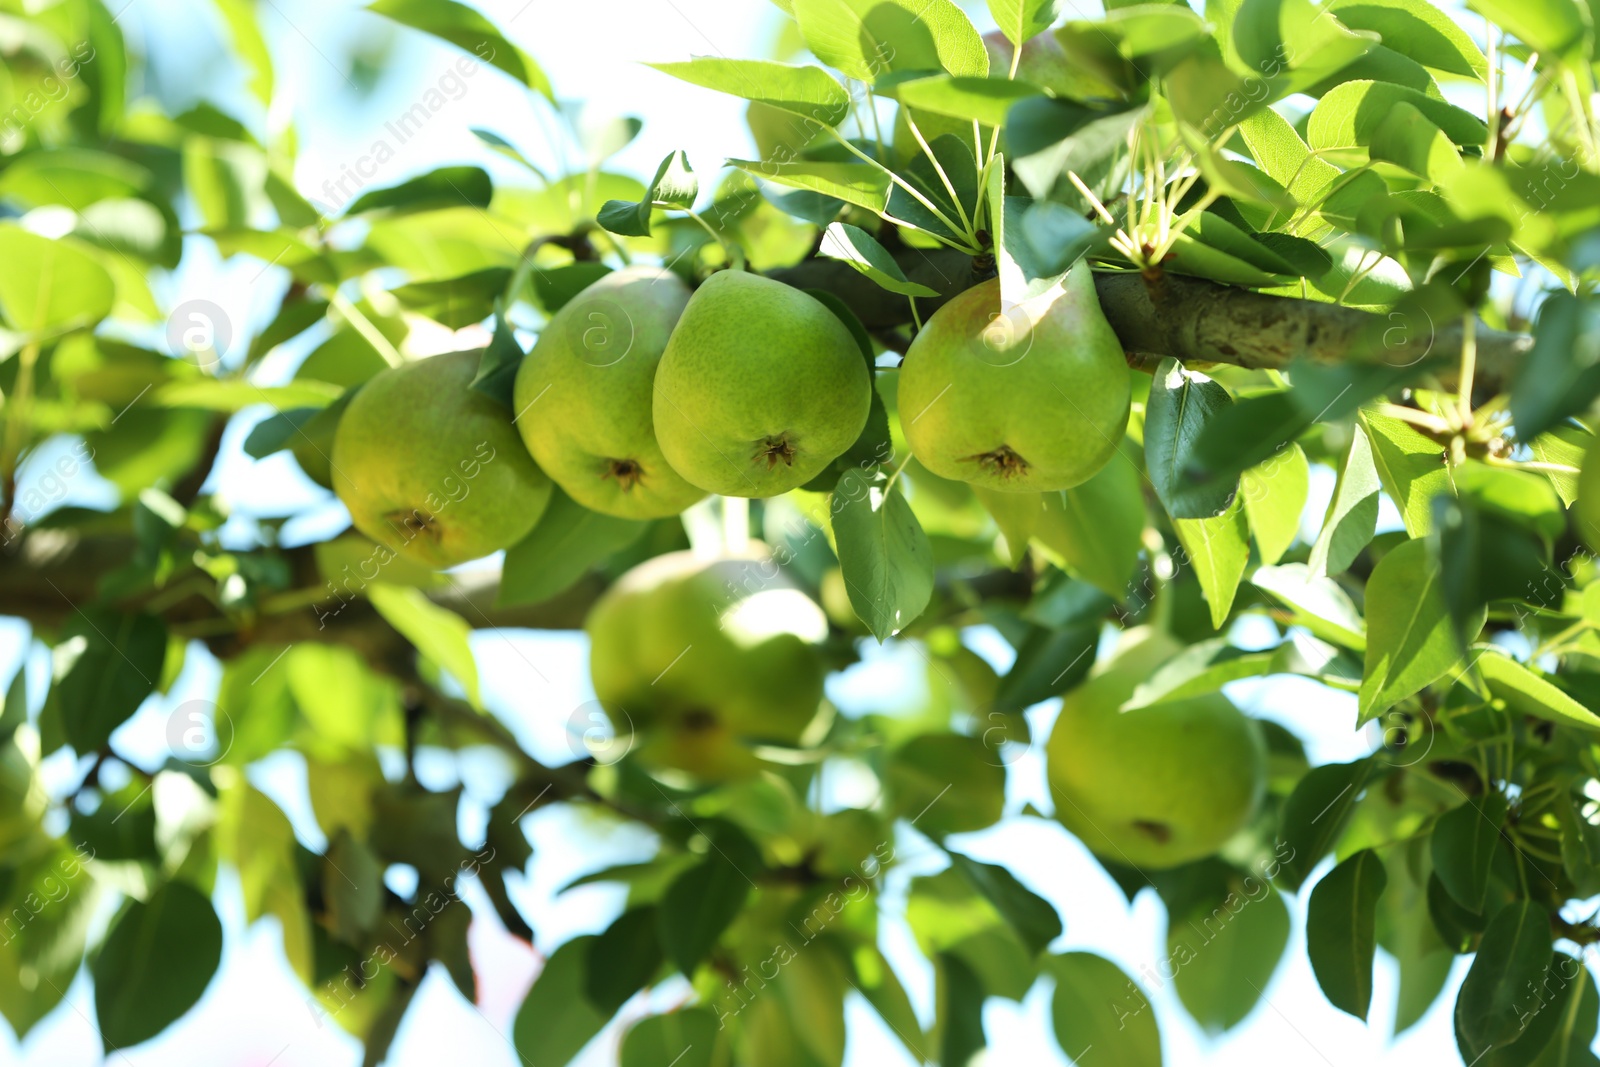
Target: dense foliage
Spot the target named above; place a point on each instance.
(1362, 236)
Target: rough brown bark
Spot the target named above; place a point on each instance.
(1197, 321)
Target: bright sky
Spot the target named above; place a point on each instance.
(254, 1013)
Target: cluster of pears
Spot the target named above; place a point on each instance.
(1157, 785)
(701, 660)
(637, 400)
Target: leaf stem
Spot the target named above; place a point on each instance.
(908, 187)
(364, 327)
(938, 169)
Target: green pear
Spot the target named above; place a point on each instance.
(1155, 786)
(1022, 398)
(433, 469)
(760, 388)
(699, 659)
(583, 395)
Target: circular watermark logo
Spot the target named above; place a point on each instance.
(600, 330)
(1404, 738)
(593, 733)
(199, 733)
(1007, 338)
(1408, 339)
(1007, 738)
(201, 330)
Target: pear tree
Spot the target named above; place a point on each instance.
(1106, 369)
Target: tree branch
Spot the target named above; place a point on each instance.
(1196, 321)
(48, 573)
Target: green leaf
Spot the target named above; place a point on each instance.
(1096, 1006)
(50, 944)
(123, 827)
(1050, 660)
(1048, 138)
(50, 286)
(1022, 19)
(1201, 668)
(1463, 846)
(1405, 933)
(1181, 402)
(249, 45)
(1527, 693)
(455, 302)
(1418, 30)
(946, 784)
(1285, 158)
(1576, 1025)
(1411, 642)
(810, 92)
(1274, 496)
(440, 188)
(704, 900)
(1315, 814)
(1226, 950)
(568, 541)
(236, 394)
(685, 1038)
(439, 634)
(879, 984)
(1095, 528)
(471, 32)
(1295, 43)
(623, 960)
(1411, 466)
(499, 363)
(106, 663)
(1512, 957)
(1341, 925)
(1560, 375)
(868, 38)
(855, 183)
(1017, 515)
(140, 988)
(1317, 603)
(1564, 450)
(1549, 27)
(985, 100)
(958, 1010)
(1348, 115)
(673, 186)
(862, 251)
(884, 556)
(556, 1020)
(1030, 915)
(1409, 139)
(1352, 515)
(1219, 550)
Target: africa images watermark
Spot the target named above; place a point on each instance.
(49, 888)
(354, 175)
(53, 88)
(741, 992)
(343, 987)
(1253, 889)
